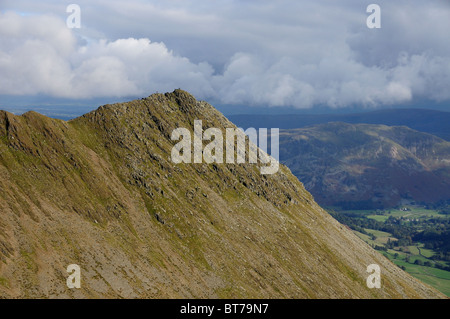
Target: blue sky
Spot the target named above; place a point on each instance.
(300, 54)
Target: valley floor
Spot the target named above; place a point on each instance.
(413, 237)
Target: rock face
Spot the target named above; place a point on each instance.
(365, 166)
(100, 191)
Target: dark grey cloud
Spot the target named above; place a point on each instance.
(276, 53)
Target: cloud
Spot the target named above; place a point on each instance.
(119, 68)
(135, 67)
(283, 53)
(41, 57)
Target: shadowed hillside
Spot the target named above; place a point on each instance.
(364, 166)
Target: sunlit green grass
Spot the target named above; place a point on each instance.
(437, 278)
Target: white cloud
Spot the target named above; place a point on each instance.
(47, 60)
(276, 53)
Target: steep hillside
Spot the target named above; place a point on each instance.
(367, 166)
(101, 192)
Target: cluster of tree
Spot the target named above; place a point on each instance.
(378, 247)
(436, 238)
(441, 256)
(442, 206)
(442, 266)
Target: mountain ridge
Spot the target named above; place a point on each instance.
(429, 121)
(100, 191)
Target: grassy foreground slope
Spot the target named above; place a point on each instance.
(101, 191)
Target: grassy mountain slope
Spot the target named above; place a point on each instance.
(100, 191)
(370, 165)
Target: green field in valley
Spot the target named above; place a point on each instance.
(428, 260)
(437, 278)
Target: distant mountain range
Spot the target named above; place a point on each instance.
(429, 121)
(362, 166)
